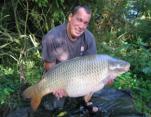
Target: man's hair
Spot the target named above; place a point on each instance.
(75, 9)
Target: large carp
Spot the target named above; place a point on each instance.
(81, 76)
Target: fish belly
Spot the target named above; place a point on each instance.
(82, 86)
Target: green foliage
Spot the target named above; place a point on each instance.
(33, 71)
(9, 84)
(142, 96)
(139, 58)
(139, 89)
(141, 28)
(41, 3)
(127, 81)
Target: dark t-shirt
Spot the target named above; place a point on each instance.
(56, 45)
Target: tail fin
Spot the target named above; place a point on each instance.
(35, 96)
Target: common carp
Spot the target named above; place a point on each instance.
(80, 76)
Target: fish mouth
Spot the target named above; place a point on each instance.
(125, 67)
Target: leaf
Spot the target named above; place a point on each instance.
(147, 70)
(62, 114)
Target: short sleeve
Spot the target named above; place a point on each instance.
(90, 43)
(47, 48)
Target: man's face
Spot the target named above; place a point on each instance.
(78, 23)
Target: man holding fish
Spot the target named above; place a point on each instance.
(68, 74)
(68, 40)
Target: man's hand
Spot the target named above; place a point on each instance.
(60, 93)
(49, 65)
(110, 82)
